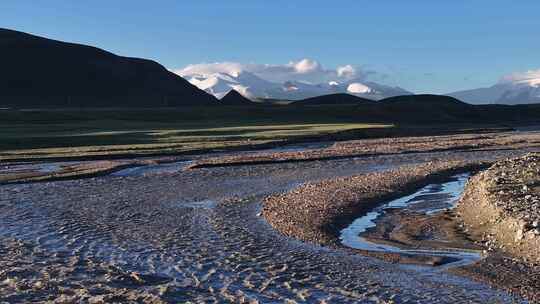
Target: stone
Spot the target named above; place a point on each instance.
(519, 235)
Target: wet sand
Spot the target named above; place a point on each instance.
(196, 235)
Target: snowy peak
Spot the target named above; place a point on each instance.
(524, 79)
(219, 84)
(523, 91)
(358, 88)
(516, 88)
(532, 82)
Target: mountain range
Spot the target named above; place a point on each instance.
(40, 72)
(254, 87)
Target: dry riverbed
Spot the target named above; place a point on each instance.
(383, 146)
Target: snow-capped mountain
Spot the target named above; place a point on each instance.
(253, 87)
(508, 91)
(219, 84)
(368, 89)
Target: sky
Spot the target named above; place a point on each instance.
(424, 46)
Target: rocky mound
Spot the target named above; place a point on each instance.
(501, 207)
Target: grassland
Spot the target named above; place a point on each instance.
(122, 133)
(71, 133)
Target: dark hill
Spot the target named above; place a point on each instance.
(233, 98)
(427, 108)
(340, 98)
(423, 100)
(40, 72)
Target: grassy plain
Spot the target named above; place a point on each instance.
(71, 133)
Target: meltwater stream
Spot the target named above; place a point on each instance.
(146, 170)
(428, 200)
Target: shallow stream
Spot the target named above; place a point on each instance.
(429, 200)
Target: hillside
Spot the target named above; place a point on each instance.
(337, 99)
(427, 108)
(445, 109)
(233, 98)
(40, 72)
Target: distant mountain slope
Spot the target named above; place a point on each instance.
(254, 87)
(427, 108)
(39, 72)
(339, 98)
(509, 92)
(233, 98)
(425, 101)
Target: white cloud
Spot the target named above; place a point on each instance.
(231, 68)
(347, 71)
(305, 66)
(531, 77)
(306, 70)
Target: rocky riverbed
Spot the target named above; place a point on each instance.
(384, 146)
(316, 212)
(196, 235)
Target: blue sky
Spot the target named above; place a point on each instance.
(421, 45)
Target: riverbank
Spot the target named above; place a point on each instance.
(501, 210)
(507, 200)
